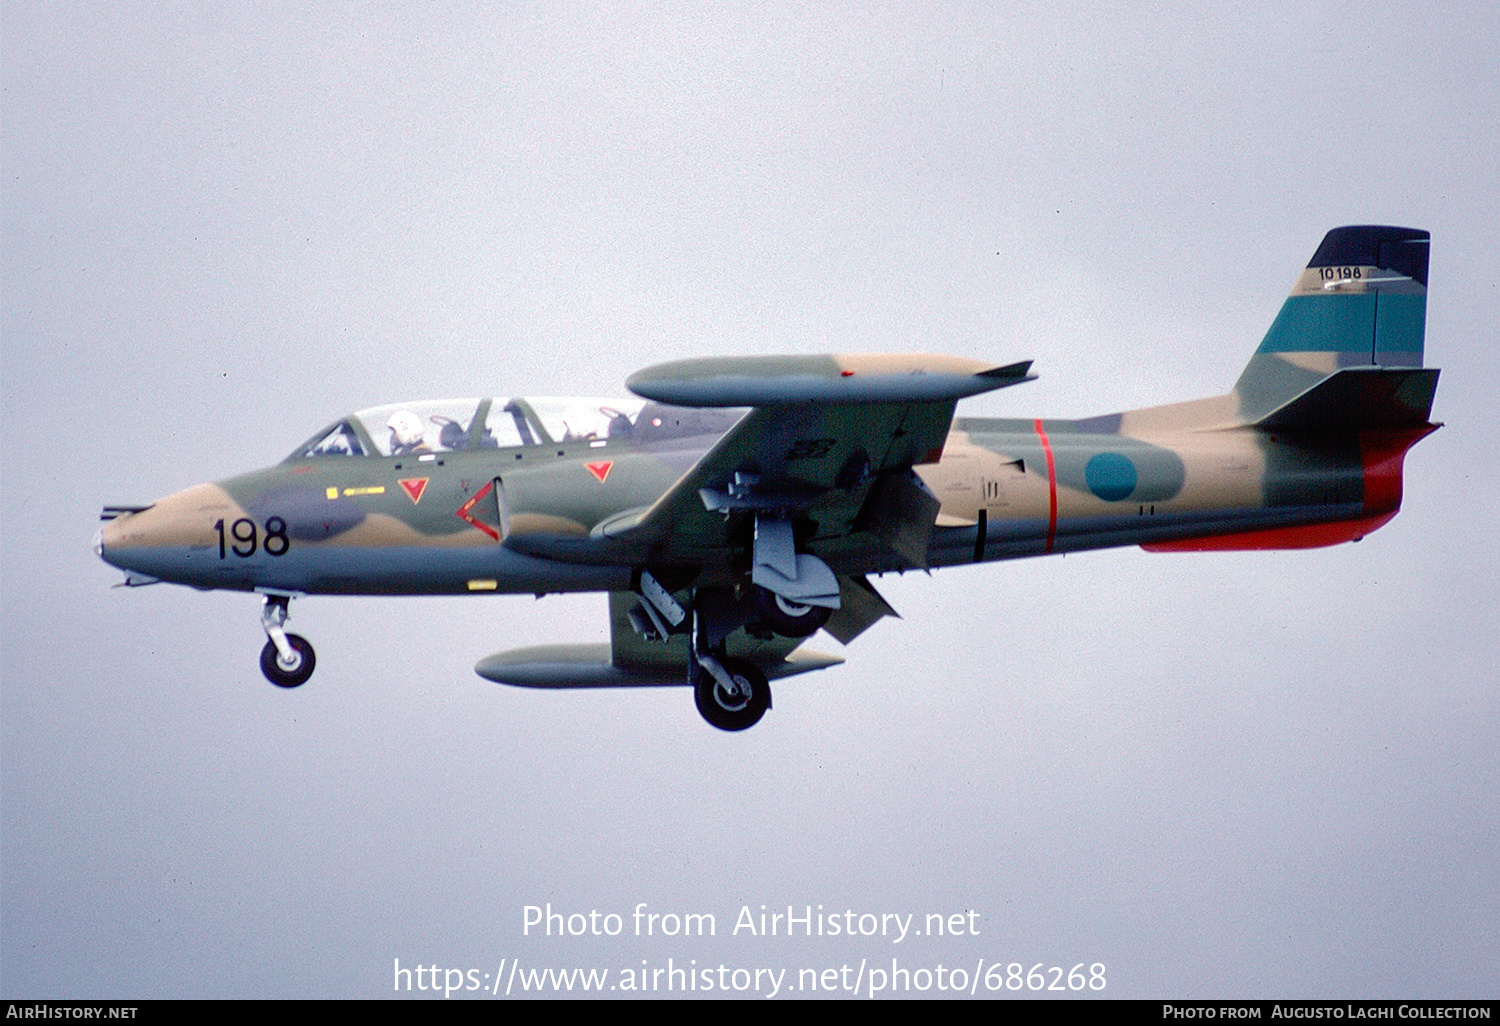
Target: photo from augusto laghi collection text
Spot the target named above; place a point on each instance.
(878, 973)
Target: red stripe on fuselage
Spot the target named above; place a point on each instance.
(1041, 433)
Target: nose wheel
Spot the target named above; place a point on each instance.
(288, 659)
(288, 673)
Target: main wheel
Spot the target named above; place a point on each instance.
(739, 710)
(288, 675)
(788, 618)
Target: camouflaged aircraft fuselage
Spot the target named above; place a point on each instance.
(744, 503)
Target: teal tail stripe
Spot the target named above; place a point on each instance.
(1401, 324)
(1371, 322)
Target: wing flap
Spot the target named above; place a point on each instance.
(860, 605)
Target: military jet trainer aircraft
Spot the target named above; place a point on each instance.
(739, 505)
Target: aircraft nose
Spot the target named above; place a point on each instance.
(111, 535)
(104, 548)
(110, 540)
(161, 539)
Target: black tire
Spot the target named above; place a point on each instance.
(787, 618)
(732, 712)
(281, 676)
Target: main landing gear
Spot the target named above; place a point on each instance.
(735, 702)
(288, 659)
(786, 617)
(731, 693)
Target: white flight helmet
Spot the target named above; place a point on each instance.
(406, 431)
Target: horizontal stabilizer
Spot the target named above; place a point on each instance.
(1359, 399)
(784, 380)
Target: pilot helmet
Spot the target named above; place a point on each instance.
(406, 430)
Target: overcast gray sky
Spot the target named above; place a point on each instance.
(1260, 774)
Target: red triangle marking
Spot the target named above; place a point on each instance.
(414, 487)
(600, 470)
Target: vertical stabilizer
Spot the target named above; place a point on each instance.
(1361, 302)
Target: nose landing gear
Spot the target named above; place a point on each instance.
(288, 659)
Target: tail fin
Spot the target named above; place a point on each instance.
(1338, 392)
(1360, 305)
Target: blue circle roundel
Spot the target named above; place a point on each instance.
(1110, 476)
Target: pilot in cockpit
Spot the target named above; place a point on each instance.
(406, 433)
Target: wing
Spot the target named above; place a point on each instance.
(824, 457)
(830, 440)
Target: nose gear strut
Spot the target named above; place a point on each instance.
(288, 659)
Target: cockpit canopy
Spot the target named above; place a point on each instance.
(453, 425)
